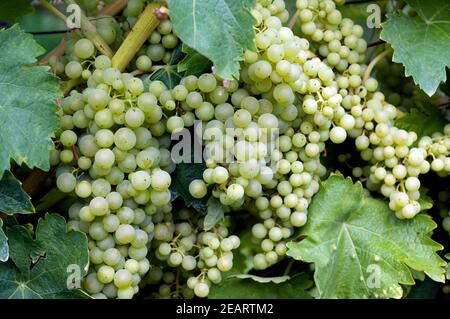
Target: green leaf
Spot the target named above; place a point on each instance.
(425, 201)
(218, 29)
(420, 43)
(40, 268)
(12, 198)
(53, 197)
(425, 120)
(193, 63)
(295, 288)
(263, 280)
(447, 273)
(215, 213)
(12, 10)
(359, 248)
(4, 248)
(168, 73)
(28, 116)
(183, 175)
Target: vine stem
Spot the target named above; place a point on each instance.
(288, 268)
(57, 51)
(293, 20)
(112, 9)
(52, 9)
(373, 63)
(90, 32)
(144, 26)
(34, 180)
(375, 43)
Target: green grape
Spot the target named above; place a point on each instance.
(84, 49)
(73, 69)
(66, 182)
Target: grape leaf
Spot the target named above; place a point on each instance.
(218, 29)
(263, 280)
(295, 288)
(359, 248)
(168, 74)
(12, 198)
(420, 42)
(193, 63)
(215, 213)
(42, 267)
(425, 120)
(425, 201)
(12, 10)
(4, 248)
(183, 175)
(28, 116)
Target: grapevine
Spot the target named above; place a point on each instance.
(308, 96)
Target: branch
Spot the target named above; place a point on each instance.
(375, 43)
(113, 9)
(57, 51)
(52, 9)
(33, 183)
(374, 62)
(90, 32)
(293, 20)
(145, 25)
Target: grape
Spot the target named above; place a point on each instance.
(84, 48)
(197, 188)
(144, 63)
(73, 69)
(124, 139)
(338, 135)
(201, 290)
(160, 180)
(140, 180)
(83, 189)
(66, 182)
(175, 124)
(104, 158)
(122, 279)
(105, 274)
(125, 234)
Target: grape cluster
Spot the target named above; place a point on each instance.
(201, 255)
(367, 116)
(159, 47)
(117, 169)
